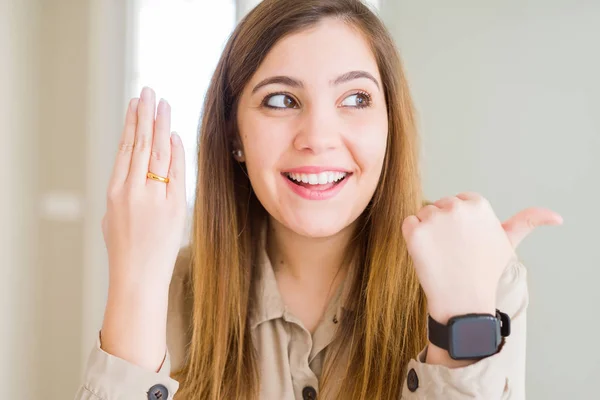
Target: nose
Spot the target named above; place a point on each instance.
(318, 131)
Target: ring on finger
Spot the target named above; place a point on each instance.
(158, 178)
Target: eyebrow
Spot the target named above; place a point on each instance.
(295, 83)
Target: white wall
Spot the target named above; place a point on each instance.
(49, 225)
(508, 99)
(18, 175)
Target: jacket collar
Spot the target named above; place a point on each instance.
(269, 305)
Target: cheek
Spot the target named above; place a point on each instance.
(256, 137)
(264, 142)
(367, 143)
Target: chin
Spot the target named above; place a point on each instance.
(317, 226)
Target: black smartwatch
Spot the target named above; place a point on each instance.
(470, 336)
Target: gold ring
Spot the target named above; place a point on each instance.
(156, 177)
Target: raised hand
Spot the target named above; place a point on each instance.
(143, 229)
(460, 249)
(145, 218)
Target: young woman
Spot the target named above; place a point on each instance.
(314, 270)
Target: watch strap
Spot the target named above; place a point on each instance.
(504, 323)
(438, 334)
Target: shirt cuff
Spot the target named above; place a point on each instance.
(485, 379)
(108, 377)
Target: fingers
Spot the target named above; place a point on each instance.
(424, 213)
(525, 221)
(447, 203)
(146, 145)
(427, 212)
(411, 222)
(140, 159)
(123, 159)
(469, 196)
(160, 154)
(176, 185)
(408, 226)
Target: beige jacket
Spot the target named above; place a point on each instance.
(291, 358)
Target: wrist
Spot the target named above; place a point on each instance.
(137, 299)
(133, 285)
(135, 324)
(443, 313)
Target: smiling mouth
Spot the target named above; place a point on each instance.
(321, 181)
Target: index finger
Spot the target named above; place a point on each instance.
(123, 158)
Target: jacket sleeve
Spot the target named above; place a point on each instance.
(110, 378)
(498, 377)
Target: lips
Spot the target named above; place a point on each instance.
(319, 185)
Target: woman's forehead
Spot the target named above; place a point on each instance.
(319, 54)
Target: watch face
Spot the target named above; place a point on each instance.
(473, 337)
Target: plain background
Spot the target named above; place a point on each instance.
(507, 95)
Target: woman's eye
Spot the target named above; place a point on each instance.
(280, 101)
(358, 100)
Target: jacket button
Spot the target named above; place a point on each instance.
(309, 393)
(158, 392)
(412, 380)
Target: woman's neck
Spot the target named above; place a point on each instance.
(307, 260)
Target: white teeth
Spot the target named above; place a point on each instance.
(318, 179)
(323, 177)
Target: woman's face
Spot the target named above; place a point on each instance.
(313, 129)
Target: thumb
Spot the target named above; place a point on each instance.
(525, 221)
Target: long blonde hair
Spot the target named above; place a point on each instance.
(387, 324)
